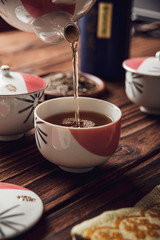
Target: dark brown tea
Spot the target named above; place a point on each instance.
(87, 119)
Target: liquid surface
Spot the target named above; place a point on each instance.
(87, 119)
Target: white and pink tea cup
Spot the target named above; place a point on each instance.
(142, 84)
(77, 149)
(20, 93)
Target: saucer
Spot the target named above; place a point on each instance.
(61, 84)
(20, 209)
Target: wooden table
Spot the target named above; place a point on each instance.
(71, 198)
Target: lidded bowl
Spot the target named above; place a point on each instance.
(142, 83)
(20, 93)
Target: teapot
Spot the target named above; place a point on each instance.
(46, 18)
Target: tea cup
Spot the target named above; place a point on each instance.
(142, 82)
(20, 93)
(76, 149)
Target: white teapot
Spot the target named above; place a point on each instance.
(47, 18)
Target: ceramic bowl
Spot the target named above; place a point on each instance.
(76, 149)
(60, 84)
(19, 95)
(142, 83)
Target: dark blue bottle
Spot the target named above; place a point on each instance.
(104, 38)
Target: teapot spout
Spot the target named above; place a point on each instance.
(51, 26)
(71, 32)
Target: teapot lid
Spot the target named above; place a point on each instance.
(144, 65)
(13, 83)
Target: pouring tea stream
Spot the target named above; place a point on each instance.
(71, 34)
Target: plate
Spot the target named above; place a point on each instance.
(20, 209)
(61, 84)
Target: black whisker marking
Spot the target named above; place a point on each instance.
(138, 84)
(135, 76)
(30, 113)
(1, 232)
(131, 85)
(3, 1)
(25, 109)
(12, 215)
(138, 89)
(36, 135)
(9, 226)
(45, 134)
(41, 94)
(39, 122)
(14, 223)
(41, 136)
(9, 209)
(25, 100)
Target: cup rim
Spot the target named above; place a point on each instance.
(81, 97)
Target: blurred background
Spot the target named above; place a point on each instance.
(143, 12)
(146, 16)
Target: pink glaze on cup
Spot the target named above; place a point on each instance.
(90, 140)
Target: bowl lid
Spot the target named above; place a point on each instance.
(20, 210)
(13, 83)
(144, 65)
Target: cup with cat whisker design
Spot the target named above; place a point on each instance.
(20, 93)
(142, 84)
(77, 148)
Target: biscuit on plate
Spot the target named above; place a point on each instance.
(139, 222)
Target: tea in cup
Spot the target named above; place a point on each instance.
(77, 148)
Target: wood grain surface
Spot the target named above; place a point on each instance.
(71, 198)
